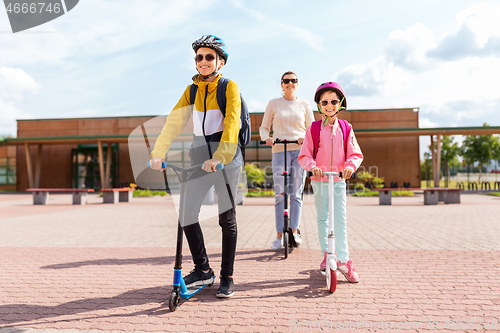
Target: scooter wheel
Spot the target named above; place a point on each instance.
(331, 279)
(173, 303)
(286, 243)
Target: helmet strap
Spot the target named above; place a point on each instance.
(325, 121)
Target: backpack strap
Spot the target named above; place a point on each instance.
(315, 129)
(345, 127)
(346, 131)
(192, 93)
(221, 94)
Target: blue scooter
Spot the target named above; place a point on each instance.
(179, 288)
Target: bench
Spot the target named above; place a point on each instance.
(41, 195)
(432, 196)
(115, 195)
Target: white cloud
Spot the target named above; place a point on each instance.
(426, 123)
(363, 79)
(255, 106)
(458, 89)
(313, 40)
(101, 27)
(478, 34)
(408, 48)
(14, 84)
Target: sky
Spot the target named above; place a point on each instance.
(129, 57)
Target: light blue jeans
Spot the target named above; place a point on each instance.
(339, 213)
(295, 187)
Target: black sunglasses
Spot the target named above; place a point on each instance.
(287, 81)
(208, 57)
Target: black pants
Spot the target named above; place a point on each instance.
(196, 190)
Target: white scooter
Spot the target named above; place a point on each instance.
(331, 258)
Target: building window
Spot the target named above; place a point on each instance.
(7, 171)
(85, 172)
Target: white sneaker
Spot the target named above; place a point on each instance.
(276, 244)
(297, 239)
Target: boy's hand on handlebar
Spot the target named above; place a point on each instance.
(269, 142)
(209, 165)
(317, 172)
(156, 163)
(347, 173)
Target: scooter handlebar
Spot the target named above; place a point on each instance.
(280, 141)
(285, 141)
(353, 176)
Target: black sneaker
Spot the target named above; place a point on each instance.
(226, 288)
(198, 278)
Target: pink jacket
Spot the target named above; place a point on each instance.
(330, 156)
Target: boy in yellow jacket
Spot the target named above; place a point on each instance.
(215, 141)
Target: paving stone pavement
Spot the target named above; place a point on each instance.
(108, 268)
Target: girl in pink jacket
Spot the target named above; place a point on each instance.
(334, 156)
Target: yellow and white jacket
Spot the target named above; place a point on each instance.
(214, 136)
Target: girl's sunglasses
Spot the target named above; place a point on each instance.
(287, 81)
(208, 57)
(325, 102)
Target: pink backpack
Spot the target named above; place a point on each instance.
(316, 128)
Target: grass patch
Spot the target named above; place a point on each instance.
(268, 193)
(147, 193)
(366, 194)
(496, 194)
(403, 193)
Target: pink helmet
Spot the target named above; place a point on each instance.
(331, 86)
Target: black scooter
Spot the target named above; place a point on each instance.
(288, 239)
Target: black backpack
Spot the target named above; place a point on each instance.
(245, 126)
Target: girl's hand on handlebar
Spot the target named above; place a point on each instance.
(317, 172)
(300, 141)
(347, 173)
(156, 163)
(209, 165)
(269, 142)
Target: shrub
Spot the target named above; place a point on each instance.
(266, 193)
(403, 193)
(365, 178)
(148, 193)
(255, 176)
(366, 194)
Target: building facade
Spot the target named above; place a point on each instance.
(72, 153)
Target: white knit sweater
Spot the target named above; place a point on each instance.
(289, 120)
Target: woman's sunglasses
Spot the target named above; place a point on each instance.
(208, 57)
(325, 102)
(287, 81)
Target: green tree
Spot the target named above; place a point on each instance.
(449, 152)
(426, 168)
(481, 149)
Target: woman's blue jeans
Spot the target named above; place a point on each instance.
(295, 186)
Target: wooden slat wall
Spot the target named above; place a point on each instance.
(396, 159)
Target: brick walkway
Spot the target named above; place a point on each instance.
(94, 268)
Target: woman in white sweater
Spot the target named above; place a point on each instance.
(289, 118)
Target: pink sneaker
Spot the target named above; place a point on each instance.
(322, 266)
(348, 270)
